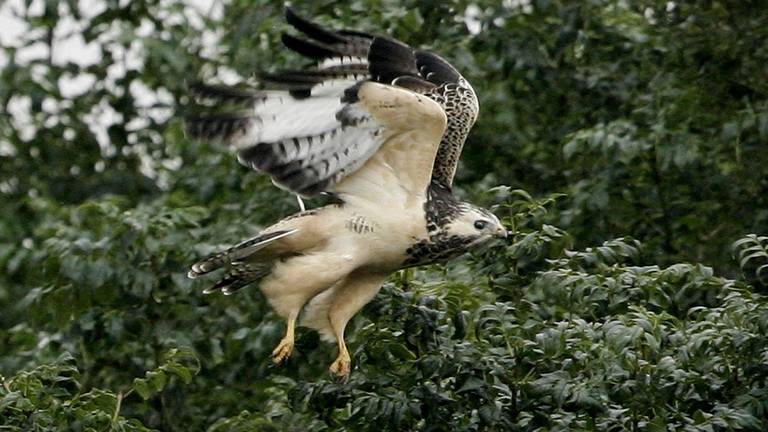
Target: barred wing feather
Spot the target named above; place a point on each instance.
(371, 104)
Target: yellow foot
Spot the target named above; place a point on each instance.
(341, 367)
(283, 350)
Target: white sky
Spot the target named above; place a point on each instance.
(70, 47)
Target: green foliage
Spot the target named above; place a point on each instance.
(50, 397)
(752, 255)
(629, 296)
(154, 381)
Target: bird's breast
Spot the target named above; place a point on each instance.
(384, 234)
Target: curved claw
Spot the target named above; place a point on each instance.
(283, 350)
(341, 368)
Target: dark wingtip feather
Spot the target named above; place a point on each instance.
(260, 156)
(312, 29)
(350, 94)
(293, 79)
(296, 179)
(308, 48)
(302, 80)
(218, 126)
(360, 35)
(436, 69)
(389, 59)
(221, 93)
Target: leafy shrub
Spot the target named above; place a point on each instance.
(616, 303)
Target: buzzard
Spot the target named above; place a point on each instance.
(376, 124)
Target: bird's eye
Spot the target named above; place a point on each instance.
(480, 224)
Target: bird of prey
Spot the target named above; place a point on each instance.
(374, 123)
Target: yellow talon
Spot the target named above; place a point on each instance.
(283, 350)
(341, 367)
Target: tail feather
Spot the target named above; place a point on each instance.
(251, 246)
(236, 253)
(240, 276)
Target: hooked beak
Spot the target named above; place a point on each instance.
(501, 232)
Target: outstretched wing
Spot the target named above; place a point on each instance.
(326, 124)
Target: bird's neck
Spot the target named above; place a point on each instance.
(440, 208)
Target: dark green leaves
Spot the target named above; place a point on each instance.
(632, 135)
(752, 255)
(181, 363)
(51, 397)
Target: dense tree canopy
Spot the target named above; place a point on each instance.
(623, 143)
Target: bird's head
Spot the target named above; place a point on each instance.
(477, 224)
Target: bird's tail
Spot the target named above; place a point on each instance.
(239, 276)
(242, 268)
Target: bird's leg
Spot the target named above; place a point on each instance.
(285, 347)
(355, 291)
(297, 280)
(341, 366)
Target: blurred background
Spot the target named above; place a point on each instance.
(632, 131)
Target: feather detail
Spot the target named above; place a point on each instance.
(308, 79)
(238, 277)
(311, 29)
(314, 131)
(219, 127)
(309, 48)
(389, 59)
(435, 69)
(221, 94)
(274, 116)
(393, 62)
(414, 83)
(336, 63)
(307, 164)
(235, 253)
(283, 116)
(329, 47)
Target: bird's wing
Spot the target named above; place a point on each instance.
(391, 61)
(367, 96)
(411, 128)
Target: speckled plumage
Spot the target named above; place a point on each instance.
(435, 249)
(461, 107)
(440, 208)
(378, 125)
